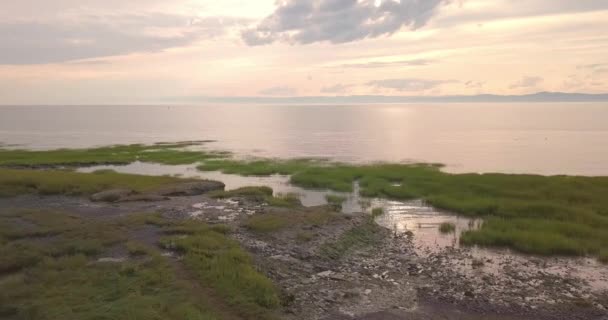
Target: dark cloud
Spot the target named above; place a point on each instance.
(408, 84)
(339, 21)
(336, 89)
(391, 64)
(92, 36)
(527, 82)
(279, 91)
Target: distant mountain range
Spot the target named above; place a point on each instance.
(535, 97)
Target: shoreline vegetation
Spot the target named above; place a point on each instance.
(545, 215)
(63, 265)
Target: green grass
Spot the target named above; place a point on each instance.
(253, 193)
(214, 259)
(49, 182)
(166, 153)
(261, 194)
(277, 221)
(553, 206)
(49, 270)
(447, 227)
(264, 167)
(376, 212)
(285, 200)
(335, 200)
(362, 236)
(604, 256)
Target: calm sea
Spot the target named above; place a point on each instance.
(538, 138)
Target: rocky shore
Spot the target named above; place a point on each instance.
(324, 274)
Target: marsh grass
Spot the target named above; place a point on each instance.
(253, 193)
(335, 199)
(603, 258)
(376, 212)
(214, 259)
(167, 153)
(304, 236)
(362, 236)
(276, 221)
(261, 194)
(285, 200)
(56, 182)
(49, 270)
(555, 209)
(447, 227)
(529, 213)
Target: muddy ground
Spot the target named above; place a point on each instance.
(389, 280)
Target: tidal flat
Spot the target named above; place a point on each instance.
(181, 247)
(545, 215)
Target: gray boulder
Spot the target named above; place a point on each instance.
(112, 195)
(191, 188)
(143, 198)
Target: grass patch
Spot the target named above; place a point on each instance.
(261, 194)
(219, 262)
(51, 182)
(286, 200)
(276, 221)
(137, 249)
(447, 227)
(268, 222)
(365, 235)
(553, 206)
(603, 258)
(49, 270)
(253, 193)
(56, 277)
(335, 199)
(304, 236)
(166, 153)
(376, 212)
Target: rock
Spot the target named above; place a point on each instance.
(112, 195)
(143, 198)
(477, 263)
(324, 274)
(191, 188)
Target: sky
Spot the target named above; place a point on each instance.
(155, 51)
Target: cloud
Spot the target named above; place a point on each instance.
(339, 21)
(279, 91)
(508, 9)
(387, 64)
(408, 84)
(527, 82)
(95, 36)
(336, 89)
(471, 84)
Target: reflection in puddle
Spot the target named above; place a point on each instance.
(423, 221)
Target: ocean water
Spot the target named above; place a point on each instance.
(569, 138)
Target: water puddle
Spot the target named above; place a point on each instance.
(279, 183)
(424, 222)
